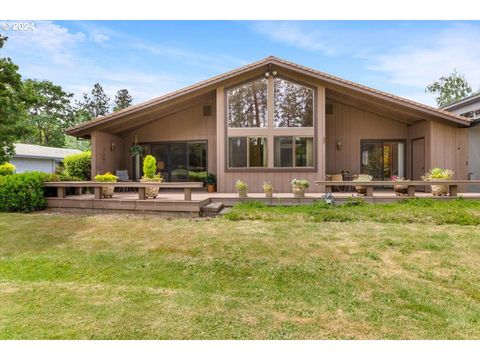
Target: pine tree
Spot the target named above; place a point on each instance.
(123, 99)
(97, 103)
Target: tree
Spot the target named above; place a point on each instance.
(49, 114)
(451, 88)
(12, 106)
(97, 103)
(123, 99)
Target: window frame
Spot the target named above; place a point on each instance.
(270, 131)
(247, 137)
(294, 152)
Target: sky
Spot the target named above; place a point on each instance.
(151, 58)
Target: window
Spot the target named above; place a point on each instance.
(257, 151)
(207, 110)
(247, 105)
(382, 159)
(292, 151)
(237, 152)
(293, 104)
(256, 156)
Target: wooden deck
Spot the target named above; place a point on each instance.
(171, 202)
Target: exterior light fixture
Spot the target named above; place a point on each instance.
(112, 146)
(267, 75)
(339, 145)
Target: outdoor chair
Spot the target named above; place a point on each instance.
(337, 177)
(123, 177)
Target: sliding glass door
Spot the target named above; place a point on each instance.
(383, 158)
(181, 161)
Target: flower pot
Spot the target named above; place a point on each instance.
(400, 189)
(439, 190)
(269, 193)
(298, 192)
(151, 191)
(107, 191)
(211, 188)
(242, 193)
(361, 189)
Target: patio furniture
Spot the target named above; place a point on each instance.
(123, 177)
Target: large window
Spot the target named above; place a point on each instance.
(247, 105)
(383, 159)
(292, 151)
(270, 116)
(253, 155)
(293, 104)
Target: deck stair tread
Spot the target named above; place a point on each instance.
(213, 207)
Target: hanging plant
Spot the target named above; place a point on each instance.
(136, 149)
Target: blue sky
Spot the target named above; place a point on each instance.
(151, 58)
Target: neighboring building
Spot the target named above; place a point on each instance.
(470, 108)
(274, 120)
(39, 158)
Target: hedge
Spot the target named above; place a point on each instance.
(78, 165)
(7, 169)
(22, 192)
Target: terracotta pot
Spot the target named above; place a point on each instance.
(151, 191)
(269, 193)
(298, 192)
(361, 189)
(439, 190)
(242, 193)
(400, 189)
(107, 191)
(211, 188)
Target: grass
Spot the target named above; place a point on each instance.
(281, 274)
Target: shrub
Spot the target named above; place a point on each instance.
(149, 166)
(22, 192)
(438, 174)
(107, 177)
(78, 165)
(354, 201)
(211, 179)
(300, 183)
(7, 169)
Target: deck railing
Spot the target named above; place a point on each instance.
(411, 184)
(62, 187)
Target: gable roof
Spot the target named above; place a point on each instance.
(327, 78)
(465, 101)
(42, 152)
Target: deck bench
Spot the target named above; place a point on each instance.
(452, 185)
(97, 187)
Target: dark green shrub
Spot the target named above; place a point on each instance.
(354, 201)
(7, 169)
(22, 192)
(78, 165)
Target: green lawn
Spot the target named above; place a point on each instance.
(307, 272)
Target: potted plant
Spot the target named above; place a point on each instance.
(400, 189)
(150, 175)
(241, 188)
(268, 188)
(362, 189)
(211, 183)
(438, 174)
(299, 186)
(136, 151)
(107, 191)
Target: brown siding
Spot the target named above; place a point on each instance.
(104, 157)
(350, 125)
(421, 129)
(185, 125)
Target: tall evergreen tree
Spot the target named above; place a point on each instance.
(123, 99)
(13, 105)
(97, 103)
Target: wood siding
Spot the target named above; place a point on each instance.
(104, 156)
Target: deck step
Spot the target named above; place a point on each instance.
(212, 209)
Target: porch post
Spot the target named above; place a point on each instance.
(221, 139)
(321, 134)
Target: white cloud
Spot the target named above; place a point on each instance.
(299, 36)
(98, 37)
(416, 66)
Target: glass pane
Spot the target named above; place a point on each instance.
(247, 105)
(293, 104)
(283, 151)
(372, 159)
(237, 152)
(257, 152)
(161, 153)
(303, 151)
(197, 161)
(178, 170)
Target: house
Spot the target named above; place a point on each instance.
(470, 108)
(274, 120)
(39, 158)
